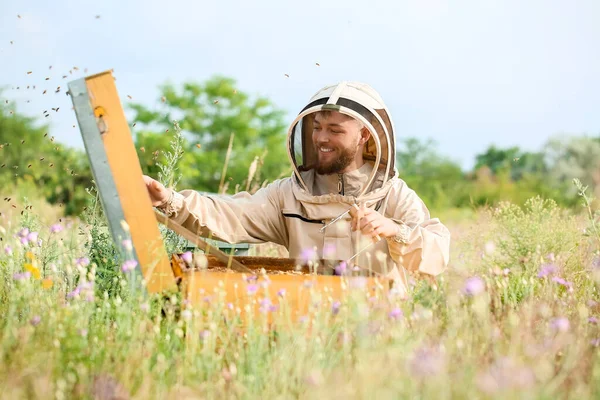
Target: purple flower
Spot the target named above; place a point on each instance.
(35, 320)
(127, 245)
(74, 293)
(20, 276)
(252, 288)
(82, 262)
(8, 250)
(24, 241)
(593, 320)
(474, 286)
(56, 228)
(335, 307)
(560, 324)
(561, 281)
(596, 263)
(281, 292)
(595, 342)
(340, 269)
(23, 233)
(547, 269)
(265, 305)
(396, 313)
(129, 265)
(187, 257)
(32, 236)
(308, 255)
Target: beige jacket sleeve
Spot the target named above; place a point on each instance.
(241, 218)
(424, 244)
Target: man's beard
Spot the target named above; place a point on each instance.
(339, 164)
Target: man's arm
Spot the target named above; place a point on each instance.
(239, 218)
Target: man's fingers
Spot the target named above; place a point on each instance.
(367, 220)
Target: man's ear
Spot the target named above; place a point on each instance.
(365, 135)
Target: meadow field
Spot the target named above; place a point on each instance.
(515, 316)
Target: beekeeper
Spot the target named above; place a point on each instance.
(344, 200)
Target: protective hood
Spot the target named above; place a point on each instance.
(360, 102)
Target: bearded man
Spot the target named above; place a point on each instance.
(344, 200)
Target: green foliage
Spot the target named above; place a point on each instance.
(209, 113)
(29, 154)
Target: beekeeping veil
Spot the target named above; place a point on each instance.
(360, 102)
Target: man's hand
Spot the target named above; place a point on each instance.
(157, 191)
(372, 223)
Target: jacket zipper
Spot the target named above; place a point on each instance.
(341, 184)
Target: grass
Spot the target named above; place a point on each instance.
(70, 329)
(515, 316)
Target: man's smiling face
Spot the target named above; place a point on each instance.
(338, 141)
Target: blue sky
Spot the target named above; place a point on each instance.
(466, 74)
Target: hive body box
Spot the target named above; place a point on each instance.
(118, 176)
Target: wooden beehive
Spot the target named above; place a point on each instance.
(118, 176)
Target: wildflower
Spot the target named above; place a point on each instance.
(83, 332)
(561, 281)
(47, 283)
(35, 321)
(24, 241)
(129, 265)
(74, 293)
(281, 292)
(8, 250)
(265, 305)
(335, 307)
(595, 342)
(20, 276)
(23, 233)
(186, 314)
(547, 269)
(593, 320)
(127, 244)
(82, 262)
(187, 257)
(32, 237)
(252, 288)
(308, 255)
(145, 307)
(56, 228)
(35, 271)
(396, 313)
(474, 286)
(560, 324)
(340, 269)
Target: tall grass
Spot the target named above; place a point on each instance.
(515, 316)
